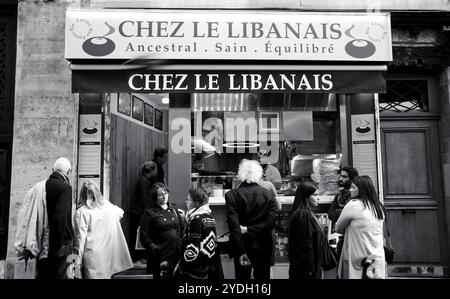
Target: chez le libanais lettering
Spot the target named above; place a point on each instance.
(233, 82)
(231, 30)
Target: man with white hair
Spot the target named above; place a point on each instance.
(251, 211)
(59, 209)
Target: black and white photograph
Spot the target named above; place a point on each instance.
(149, 112)
(124, 103)
(225, 147)
(138, 108)
(158, 119)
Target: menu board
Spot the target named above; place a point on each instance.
(90, 149)
(364, 145)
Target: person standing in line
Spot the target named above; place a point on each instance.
(346, 175)
(362, 221)
(200, 257)
(269, 182)
(251, 213)
(161, 229)
(141, 201)
(103, 249)
(270, 172)
(59, 211)
(160, 158)
(306, 235)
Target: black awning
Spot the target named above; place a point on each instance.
(229, 79)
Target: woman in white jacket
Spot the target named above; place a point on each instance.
(362, 222)
(103, 249)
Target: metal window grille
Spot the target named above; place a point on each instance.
(405, 96)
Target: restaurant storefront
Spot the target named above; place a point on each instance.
(295, 90)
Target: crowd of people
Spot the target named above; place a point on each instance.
(183, 244)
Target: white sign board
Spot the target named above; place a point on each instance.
(364, 145)
(240, 35)
(90, 149)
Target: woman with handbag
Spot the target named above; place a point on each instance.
(362, 221)
(307, 240)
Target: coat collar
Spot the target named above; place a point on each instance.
(60, 176)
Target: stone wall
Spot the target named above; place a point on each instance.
(45, 111)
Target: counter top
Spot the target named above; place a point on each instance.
(285, 200)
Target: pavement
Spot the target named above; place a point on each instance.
(2, 269)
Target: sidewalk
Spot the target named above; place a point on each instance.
(2, 269)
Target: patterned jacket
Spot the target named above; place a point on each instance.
(199, 255)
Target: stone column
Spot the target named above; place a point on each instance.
(45, 111)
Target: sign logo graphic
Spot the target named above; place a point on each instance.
(358, 48)
(100, 45)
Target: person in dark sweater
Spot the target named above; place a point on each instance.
(346, 176)
(306, 235)
(141, 201)
(161, 228)
(160, 158)
(251, 211)
(59, 209)
(200, 257)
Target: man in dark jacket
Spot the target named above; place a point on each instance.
(347, 173)
(251, 213)
(59, 210)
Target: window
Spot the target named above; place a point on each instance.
(405, 96)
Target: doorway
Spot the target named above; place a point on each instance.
(412, 180)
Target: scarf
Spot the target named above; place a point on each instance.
(197, 211)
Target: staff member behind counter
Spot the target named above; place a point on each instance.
(270, 172)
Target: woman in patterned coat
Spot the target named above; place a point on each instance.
(200, 257)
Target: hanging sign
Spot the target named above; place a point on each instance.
(237, 35)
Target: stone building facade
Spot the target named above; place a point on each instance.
(45, 122)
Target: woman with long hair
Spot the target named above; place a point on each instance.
(306, 235)
(161, 228)
(103, 249)
(362, 221)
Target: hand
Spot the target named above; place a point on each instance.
(164, 265)
(244, 229)
(26, 254)
(244, 260)
(182, 213)
(154, 249)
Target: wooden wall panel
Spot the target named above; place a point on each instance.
(414, 235)
(131, 146)
(406, 165)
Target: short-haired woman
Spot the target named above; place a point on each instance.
(362, 221)
(103, 249)
(200, 258)
(161, 228)
(306, 235)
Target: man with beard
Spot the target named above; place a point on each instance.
(347, 173)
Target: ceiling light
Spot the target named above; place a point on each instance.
(165, 100)
(241, 144)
